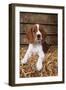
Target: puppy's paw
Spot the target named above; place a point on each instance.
(39, 66)
(23, 61)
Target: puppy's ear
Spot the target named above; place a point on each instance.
(29, 35)
(44, 34)
(45, 46)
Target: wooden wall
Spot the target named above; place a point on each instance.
(47, 21)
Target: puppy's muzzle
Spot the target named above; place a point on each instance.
(38, 36)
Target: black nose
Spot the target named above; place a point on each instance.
(38, 36)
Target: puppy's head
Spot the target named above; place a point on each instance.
(36, 34)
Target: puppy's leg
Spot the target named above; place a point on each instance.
(40, 60)
(27, 56)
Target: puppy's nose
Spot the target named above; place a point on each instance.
(38, 36)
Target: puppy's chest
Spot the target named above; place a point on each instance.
(36, 49)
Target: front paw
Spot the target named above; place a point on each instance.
(23, 61)
(39, 66)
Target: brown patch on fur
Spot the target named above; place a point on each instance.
(45, 47)
(44, 34)
(30, 36)
(44, 44)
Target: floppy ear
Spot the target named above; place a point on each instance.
(44, 34)
(29, 35)
(45, 46)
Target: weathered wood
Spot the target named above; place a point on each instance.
(38, 18)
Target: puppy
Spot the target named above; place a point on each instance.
(36, 37)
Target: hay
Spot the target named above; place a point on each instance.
(50, 64)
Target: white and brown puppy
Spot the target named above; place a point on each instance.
(35, 36)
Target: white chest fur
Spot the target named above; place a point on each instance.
(35, 48)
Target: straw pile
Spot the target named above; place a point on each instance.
(50, 64)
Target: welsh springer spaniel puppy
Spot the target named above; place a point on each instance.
(35, 37)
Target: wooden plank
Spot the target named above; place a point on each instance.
(49, 24)
(23, 39)
(36, 18)
(48, 34)
(51, 40)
